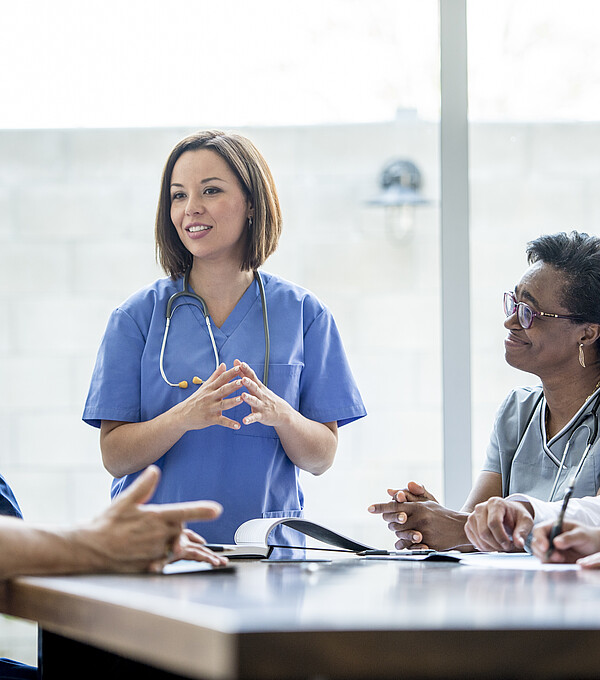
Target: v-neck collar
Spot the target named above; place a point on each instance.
(237, 315)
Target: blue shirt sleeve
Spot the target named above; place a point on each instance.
(328, 391)
(114, 392)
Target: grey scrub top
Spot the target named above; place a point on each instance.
(528, 463)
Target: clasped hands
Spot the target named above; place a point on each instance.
(206, 405)
(419, 521)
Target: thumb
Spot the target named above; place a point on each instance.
(397, 495)
(522, 528)
(416, 488)
(142, 489)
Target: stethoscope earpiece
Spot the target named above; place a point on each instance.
(184, 383)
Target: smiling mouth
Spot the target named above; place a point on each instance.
(193, 230)
(511, 337)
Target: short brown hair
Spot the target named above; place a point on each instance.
(256, 181)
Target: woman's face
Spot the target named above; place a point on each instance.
(550, 345)
(208, 207)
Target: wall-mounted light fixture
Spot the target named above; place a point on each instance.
(400, 183)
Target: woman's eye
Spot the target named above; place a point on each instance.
(177, 196)
(211, 190)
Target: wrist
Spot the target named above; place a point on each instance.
(85, 549)
(286, 415)
(461, 543)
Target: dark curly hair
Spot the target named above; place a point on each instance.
(577, 257)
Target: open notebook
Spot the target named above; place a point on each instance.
(252, 538)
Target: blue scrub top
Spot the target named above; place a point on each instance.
(528, 462)
(246, 470)
(8, 502)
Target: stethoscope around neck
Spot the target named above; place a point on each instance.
(592, 435)
(187, 293)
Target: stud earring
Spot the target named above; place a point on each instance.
(581, 355)
(249, 223)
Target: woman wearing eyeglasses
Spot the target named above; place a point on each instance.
(543, 436)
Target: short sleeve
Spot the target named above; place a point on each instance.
(114, 392)
(512, 420)
(328, 391)
(8, 502)
(492, 454)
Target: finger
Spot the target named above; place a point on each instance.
(249, 371)
(472, 532)
(397, 495)
(221, 368)
(590, 562)
(378, 508)
(223, 391)
(226, 404)
(193, 537)
(416, 488)
(189, 546)
(522, 529)
(187, 511)
(484, 542)
(408, 545)
(496, 532)
(222, 376)
(569, 539)
(224, 421)
(251, 400)
(400, 517)
(409, 536)
(252, 418)
(200, 554)
(141, 490)
(251, 385)
(540, 542)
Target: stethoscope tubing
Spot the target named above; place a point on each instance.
(186, 292)
(592, 436)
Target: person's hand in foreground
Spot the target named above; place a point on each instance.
(499, 525)
(576, 543)
(127, 537)
(419, 521)
(132, 536)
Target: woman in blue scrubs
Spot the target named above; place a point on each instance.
(196, 404)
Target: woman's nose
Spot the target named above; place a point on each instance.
(194, 205)
(512, 321)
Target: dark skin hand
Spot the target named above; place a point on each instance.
(420, 522)
(500, 525)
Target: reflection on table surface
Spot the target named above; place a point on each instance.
(362, 594)
(493, 616)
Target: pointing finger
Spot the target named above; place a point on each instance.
(188, 511)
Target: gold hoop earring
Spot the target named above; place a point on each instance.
(581, 355)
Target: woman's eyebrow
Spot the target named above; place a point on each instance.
(528, 296)
(211, 179)
(202, 181)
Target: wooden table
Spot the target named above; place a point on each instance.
(350, 618)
